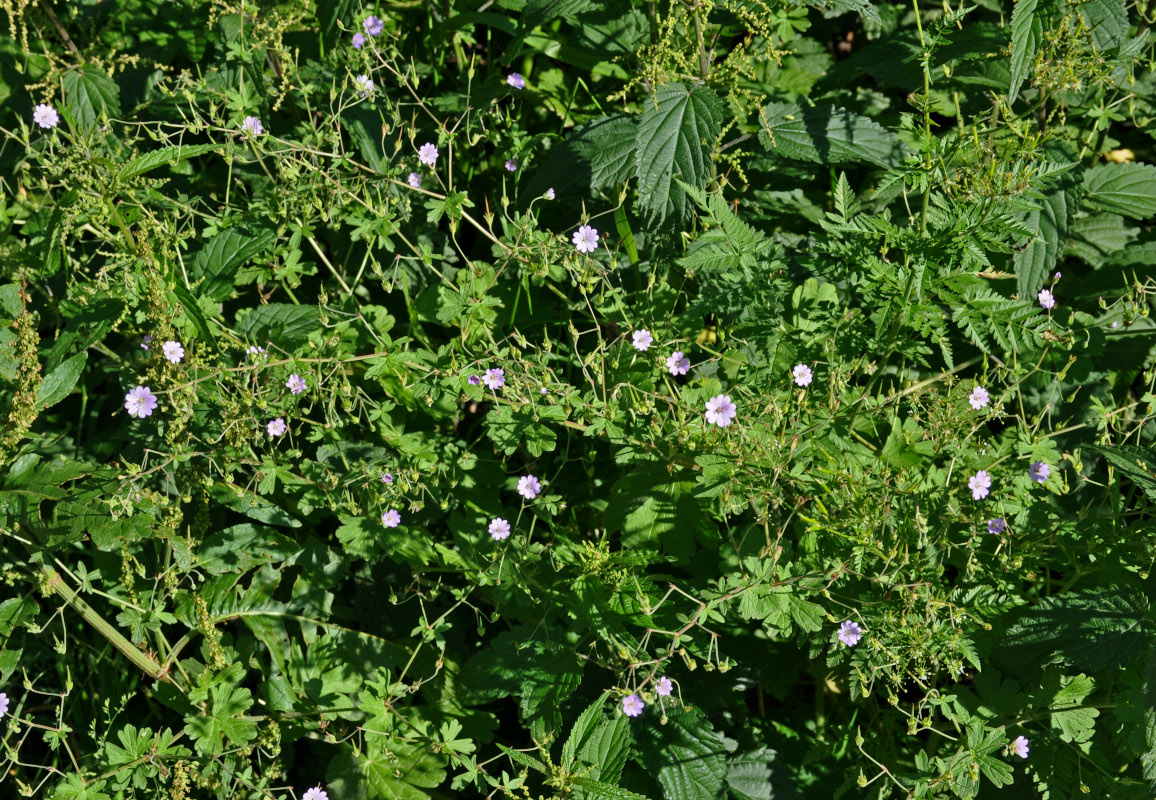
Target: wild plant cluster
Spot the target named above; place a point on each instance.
(680, 400)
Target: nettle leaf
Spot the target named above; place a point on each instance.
(1094, 629)
(607, 145)
(1128, 189)
(607, 748)
(749, 775)
(172, 154)
(59, 383)
(1052, 220)
(1138, 463)
(1027, 24)
(216, 263)
(675, 137)
(1107, 20)
(656, 508)
(89, 93)
(285, 324)
(827, 135)
(687, 755)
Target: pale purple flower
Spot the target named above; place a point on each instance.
(414, 180)
(549, 193)
(386, 477)
(253, 126)
(474, 380)
(316, 793)
(1020, 746)
(494, 378)
(257, 352)
(996, 525)
(296, 384)
(516, 80)
(664, 687)
(544, 390)
(140, 402)
(3, 705)
(849, 633)
(45, 116)
(358, 41)
(677, 363)
(145, 341)
(586, 239)
(391, 518)
(499, 528)
(1057, 276)
(428, 154)
(642, 339)
(364, 85)
(802, 375)
(511, 164)
(173, 351)
(978, 398)
(979, 483)
(632, 705)
(529, 486)
(1039, 471)
(1046, 299)
(276, 427)
(373, 26)
(720, 410)
(1114, 324)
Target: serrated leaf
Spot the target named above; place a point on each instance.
(59, 383)
(1052, 220)
(1075, 722)
(583, 727)
(675, 135)
(827, 135)
(1138, 463)
(1027, 31)
(223, 720)
(596, 790)
(1107, 20)
(1128, 189)
(285, 324)
(607, 748)
(89, 92)
(217, 262)
(686, 755)
(172, 154)
(607, 146)
(749, 775)
(242, 547)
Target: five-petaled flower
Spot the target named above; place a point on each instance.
(996, 525)
(549, 193)
(802, 375)
(391, 518)
(529, 486)
(364, 85)
(473, 380)
(720, 410)
(1039, 471)
(173, 351)
(140, 402)
(511, 164)
(386, 477)
(978, 398)
(516, 80)
(414, 180)
(316, 793)
(499, 528)
(428, 154)
(979, 483)
(276, 427)
(358, 41)
(664, 687)
(373, 26)
(1047, 299)
(632, 705)
(642, 339)
(3, 705)
(45, 116)
(253, 126)
(1020, 746)
(677, 363)
(586, 239)
(296, 384)
(849, 633)
(494, 378)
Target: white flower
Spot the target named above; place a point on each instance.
(316, 793)
(642, 339)
(45, 116)
(364, 84)
(550, 193)
(173, 351)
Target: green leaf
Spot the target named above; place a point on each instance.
(1094, 629)
(607, 748)
(675, 136)
(596, 790)
(1138, 463)
(1035, 262)
(749, 775)
(73, 787)
(585, 725)
(686, 755)
(228, 703)
(218, 261)
(194, 311)
(89, 92)
(1076, 723)
(607, 146)
(1027, 24)
(653, 507)
(172, 154)
(1128, 189)
(15, 612)
(827, 135)
(1107, 20)
(242, 547)
(401, 771)
(285, 324)
(60, 382)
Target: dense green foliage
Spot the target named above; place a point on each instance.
(852, 218)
